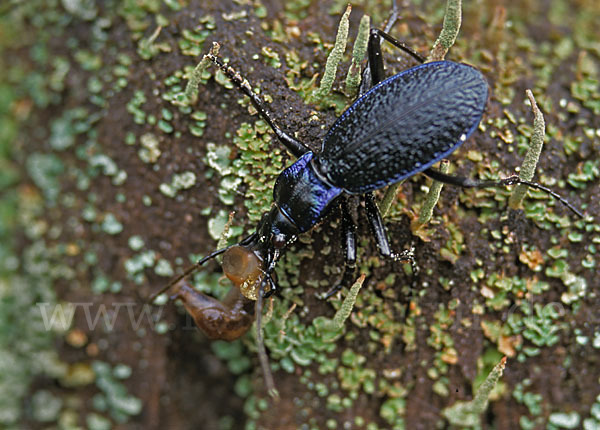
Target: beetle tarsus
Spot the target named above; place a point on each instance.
(408, 255)
(273, 287)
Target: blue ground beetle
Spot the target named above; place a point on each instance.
(399, 127)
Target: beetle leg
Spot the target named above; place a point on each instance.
(296, 147)
(348, 278)
(409, 255)
(511, 180)
(459, 181)
(349, 233)
(400, 45)
(377, 227)
(380, 234)
(272, 286)
(383, 244)
(272, 260)
(376, 58)
(260, 344)
(393, 17)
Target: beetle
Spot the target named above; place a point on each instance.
(399, 127)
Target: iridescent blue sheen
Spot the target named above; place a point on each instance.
(301, 195)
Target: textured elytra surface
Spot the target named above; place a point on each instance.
(403, 125)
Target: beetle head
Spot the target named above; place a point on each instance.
(276, 229)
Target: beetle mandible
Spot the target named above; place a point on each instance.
(399, 127)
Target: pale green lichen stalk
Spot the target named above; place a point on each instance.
(450, 28)
(344, 312)
(432, 198)
(332, 328)
(532, 156)
(225, 235)
(262, 353)
(191, 90)
(467, 414)
(388, 198)
(335, 56)
(358, 54)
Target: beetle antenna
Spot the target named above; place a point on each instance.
(260, 344)
(188, 272)
(296, 147)
(393, 17)
(512, 180)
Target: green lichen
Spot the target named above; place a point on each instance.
(137, 263)
(197, 128)
(467, 414)
(271, 57)
(392, 411)
(44, 169)
(134, 107)
(335, 56)
(66, 157)
(576, 285)
(359, 51)
(196, 76)
(111, 225)
(258, 165)
(150, 151)
(46, 406)
(593, 422)
(443, 343)
(533, 402)
(431, 200)
(219, 159)
(148, 48)
(450, 28)
(332, 329)
(563, 420)
(179, 181)
(533, 154)
(218, 224)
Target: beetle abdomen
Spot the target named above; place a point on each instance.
(402, 126)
